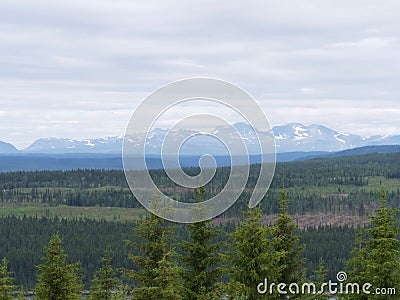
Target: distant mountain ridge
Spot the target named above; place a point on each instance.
(7, 148)
(293, 137)
(382, 149)
(297, 137)
(65, 145)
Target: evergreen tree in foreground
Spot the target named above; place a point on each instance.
(105, 286)
(155, 258)
(377, 259)
(286, 242)
(6, 281)
(319, 279)
(200, 259)
(168, 277)
(252, 258)
(57, 280)
(357, 263)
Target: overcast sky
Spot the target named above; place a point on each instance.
(78, 68)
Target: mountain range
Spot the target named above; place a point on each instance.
(293, 137)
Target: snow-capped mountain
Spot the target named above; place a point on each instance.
(64, 145)
(288, 138)
(297, 137)
(7, 148)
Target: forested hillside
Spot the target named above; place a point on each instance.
(345, 186)
(86, 240)
(94, 211)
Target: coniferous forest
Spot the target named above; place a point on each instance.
(64, 232)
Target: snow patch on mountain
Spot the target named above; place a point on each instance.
(339, 139)
(288, 138)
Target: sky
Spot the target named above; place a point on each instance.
(79, 68)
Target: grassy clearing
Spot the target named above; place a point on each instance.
(34, 209)
(70, 212)
(374, 185)
(378, 182)
(69, 189)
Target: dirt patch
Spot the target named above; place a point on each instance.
(309, 220)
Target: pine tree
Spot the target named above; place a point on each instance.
(155, 256)
(168, 276)
(286, 241)
(6, 281)
(252, 257)
(319, 279)
(104, 284)
(357, 261)
(57, 280)
(200, 258)
(377, 260)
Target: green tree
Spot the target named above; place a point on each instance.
(358, 260)
(201, 262)
(285, 241)
(57, 280)
(252, 257)
(319, 279)
(6, 281)
(376, 260)
(168, 275)
(105, 285)
(155, 258)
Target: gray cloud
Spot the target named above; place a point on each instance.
(78, 68)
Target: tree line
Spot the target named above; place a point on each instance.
(334, 185)
(205, 266)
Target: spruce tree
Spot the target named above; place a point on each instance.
(357, 261)
(168, 276)
(252, 258)
(377, 259)
(6, 281)
(201, 262)
(104, 284)
(319, 279)
(285, 241)
(57, 280)
(154, 257)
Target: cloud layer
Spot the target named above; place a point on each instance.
(78, 68)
